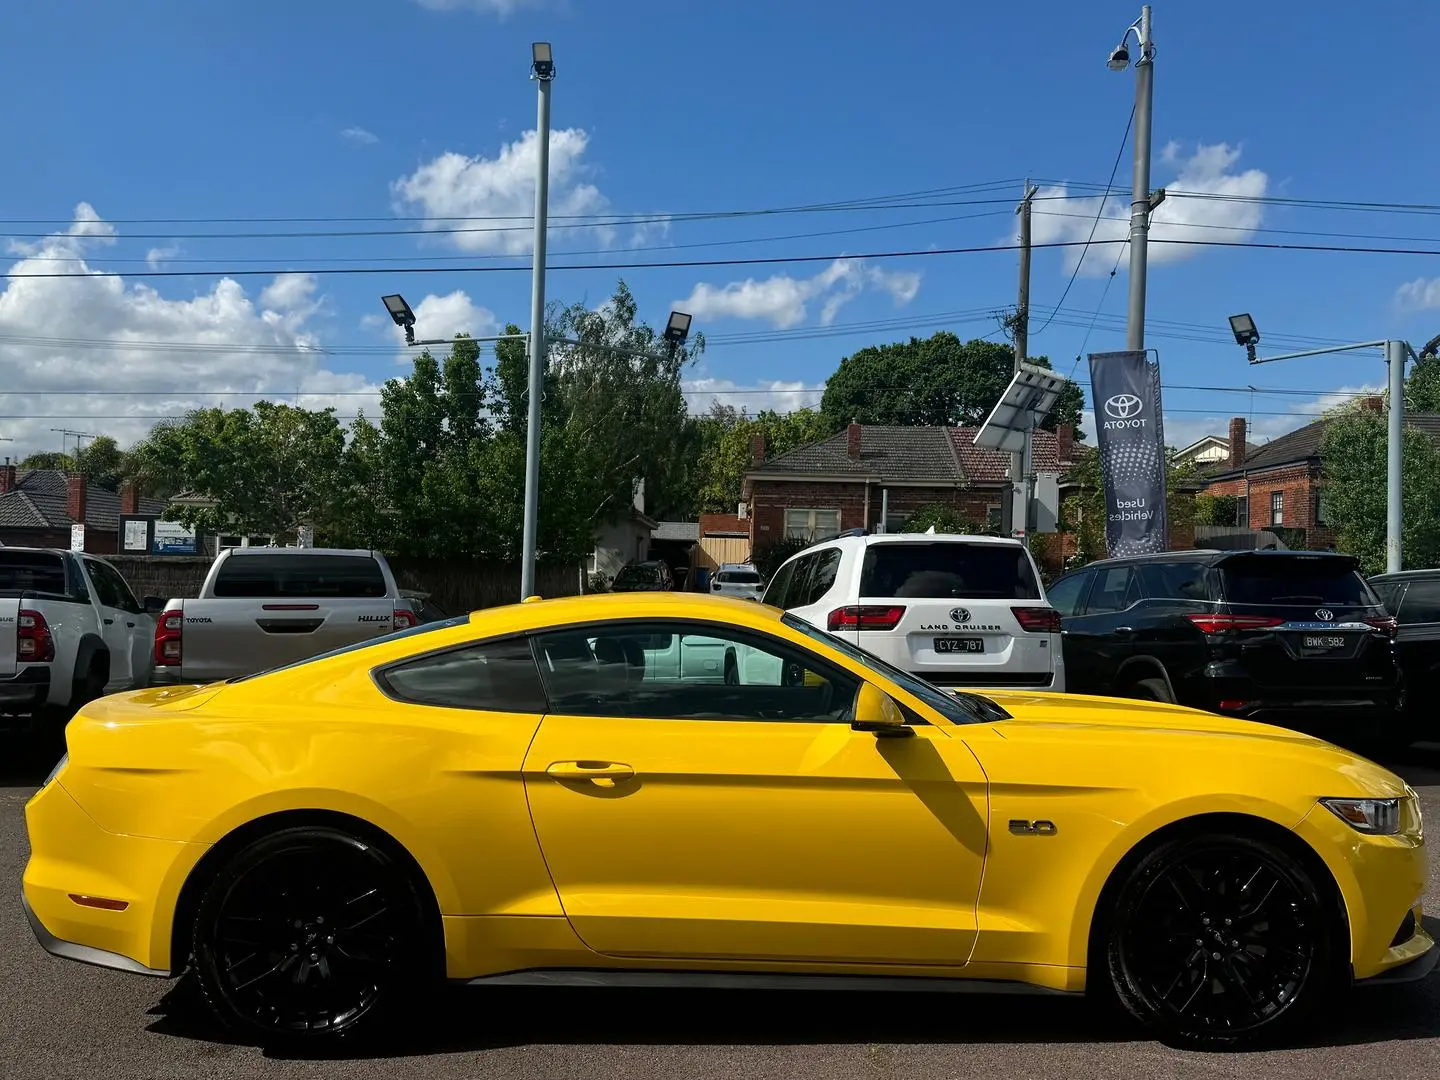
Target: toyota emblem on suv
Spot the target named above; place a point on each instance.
(1325, 615)
(959, 614)
(1123, 406)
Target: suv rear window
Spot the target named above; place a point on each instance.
(949, 570)
(31, 571)
(255, 576)
(1271, 580)
(738, 577)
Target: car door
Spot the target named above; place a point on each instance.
(1102, 634)
(117, 623)
(748, 820)
(1418, 644)
(1067, 596)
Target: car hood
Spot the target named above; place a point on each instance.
(1176, 730)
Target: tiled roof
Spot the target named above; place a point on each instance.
(685, 531)
(39, 501)
(1303, 444)
(941, 455)
(887, 453)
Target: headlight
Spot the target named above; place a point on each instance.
(64, 760)
(1378, 817)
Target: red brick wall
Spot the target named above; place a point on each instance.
(96, 543)
(1298, 482)
(726, 523)
(770, 499)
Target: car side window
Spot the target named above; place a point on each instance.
(690, 671)
(1421, 603)
(1390, 593)
(1176, 581)
(109, 586)
(779, 584)
(1114, 591)
(496, 676)
(799, 589)
(822, 577)
(1064, 596)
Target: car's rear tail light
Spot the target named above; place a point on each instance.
(168, 631)
(1385, 624)
(404, 619)
(1232, 704)
(1219, 624)
(865, 617)
(1037, 620)
(33, 641)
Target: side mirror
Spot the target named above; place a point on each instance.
(154, 605)
(876, 711)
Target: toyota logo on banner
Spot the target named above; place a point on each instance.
(1123, 406)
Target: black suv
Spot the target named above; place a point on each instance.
(1413, 597)
(1296, 639)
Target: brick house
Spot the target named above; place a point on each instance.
(850, 479)
(1278, 484)
(38, 506)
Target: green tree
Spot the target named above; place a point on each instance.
(1422, 388)
(943, 519)
(48, 459)
(933, 382)
(726, 436)
(103, 463)
(268, 470)
(1354, 452)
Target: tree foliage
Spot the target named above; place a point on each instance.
(1084, 512)
(1422, 388)
(934, 382)
(1355, 455)
(48, 459)
(103, 463)
(724, 441)
(943, 519)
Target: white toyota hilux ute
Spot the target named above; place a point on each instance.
(70, 631)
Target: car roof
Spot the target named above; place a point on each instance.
(1406, 575)
(1210, 556)
(860, 538)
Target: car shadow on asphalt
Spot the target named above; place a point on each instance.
(470, 1020)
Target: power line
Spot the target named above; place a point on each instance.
(1099, 212)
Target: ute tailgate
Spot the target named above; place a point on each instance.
(9, 611)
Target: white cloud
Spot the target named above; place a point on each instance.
(1418, 295)
(289, 292)
(442, 317)
(1209, 171)
(485, 7)
(360, 136)
(157, 257)
(104, 355)
(780, 395)
(493, 197)
(782, 300)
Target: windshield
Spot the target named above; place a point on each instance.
(957, 708)
(940, 569)
(1272, 580)
(738, 577)
(637, 575)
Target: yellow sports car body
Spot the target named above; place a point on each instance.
(680, 789)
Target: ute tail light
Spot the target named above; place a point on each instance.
(168, 642)
(404, 619)
(1386, 624)
(34, 643)
(865, 617)
(1037, 620)
(1219, 624)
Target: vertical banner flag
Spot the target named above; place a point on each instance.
(1131, 438)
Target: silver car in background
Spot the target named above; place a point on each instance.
(737, 579)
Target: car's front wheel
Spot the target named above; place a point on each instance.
(309, 934)
(1218, 941)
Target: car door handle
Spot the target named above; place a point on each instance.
(1124, 631)
(109, 622)
(131, 625)
(601, 773)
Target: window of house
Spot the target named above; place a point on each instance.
(992, 518)
(1277, 508)
(1322, 510)
(1242, 511)
(812, 524)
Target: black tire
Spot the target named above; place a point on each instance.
(1222, 942)
(277, 969)
(1155, 689)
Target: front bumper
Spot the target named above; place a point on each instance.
(72, 859)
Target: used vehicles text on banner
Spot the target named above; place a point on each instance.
(1131, 440)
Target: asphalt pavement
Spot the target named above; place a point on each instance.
(59, 1019)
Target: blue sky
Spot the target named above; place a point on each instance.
(404, 112)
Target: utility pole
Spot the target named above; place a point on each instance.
(1020, 462)
(1140, 203)
(542, 70)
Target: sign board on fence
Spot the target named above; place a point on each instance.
(135, 539)
(172, 538)
(1125, 387)
(77, 537)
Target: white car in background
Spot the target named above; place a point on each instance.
(959, 611)
(738, 579)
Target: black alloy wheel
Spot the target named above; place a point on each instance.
(1221, 941)
(309, 934)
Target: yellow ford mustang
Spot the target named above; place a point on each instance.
(676, 790)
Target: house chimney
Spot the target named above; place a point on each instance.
(75, 498)
(757, 451)
(130, 498)
(1373, 403)
(8, 480)
(1064, 442)
(1237, 442)
(852, 441)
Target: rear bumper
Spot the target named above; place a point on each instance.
(28, 688)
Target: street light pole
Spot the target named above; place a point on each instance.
(1140, 204)
(543, 71)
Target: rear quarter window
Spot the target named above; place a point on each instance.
(948, 570)
(340, 576)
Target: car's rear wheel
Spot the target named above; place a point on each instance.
(307, 935)
(1219, 941)
(1155, 689)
